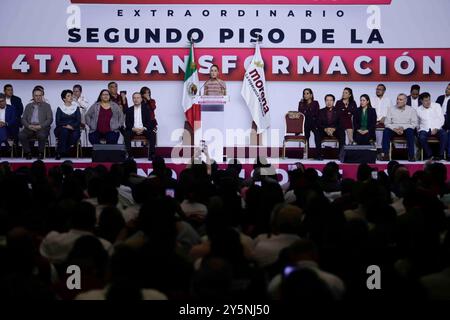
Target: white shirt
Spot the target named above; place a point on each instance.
(57, 246)
(2, 114)
(138, 117)
(267, 248)
(430, 118)
(444, 105)
(8, 101)
(334, 283)
(414, 103)
(381, 106)
(147, 294)
(82, 102)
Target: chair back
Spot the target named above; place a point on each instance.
(295, 123)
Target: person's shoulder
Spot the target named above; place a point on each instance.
(18, 99)
(29, 104)
(98, 294)
(152, 294)
(114, 105)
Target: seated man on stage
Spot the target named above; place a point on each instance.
(17, 105)
(431, 120)
(400, 121)
(7, 122)
(37, 119)
(138, 123)
(329, 121)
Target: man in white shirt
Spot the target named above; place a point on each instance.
(414, 99)
(444, 100)
(83, 104)
(431, 120)
(381, 103)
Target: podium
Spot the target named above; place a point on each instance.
(213, 125)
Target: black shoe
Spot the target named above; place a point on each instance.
(412, 159)
(28, 156)
(437, 158)
(58, 156)
(319, 158)
(41, 156)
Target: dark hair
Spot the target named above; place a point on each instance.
(38, 89)
(110, 223)
(78, 86)
(7, 86)
(2, 96)
(84, 218)
(352, 98)
(214, 65)
(369, 105)
(64, 93)
(143, 89)
(310, 91)
(330, 95)
(112, 82)
(415, 87)
(100, 95)
(382, 85)
(425, 95)
(90, 255)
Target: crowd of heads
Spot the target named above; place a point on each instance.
(212, 236)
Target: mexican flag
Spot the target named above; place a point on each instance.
(191, 87)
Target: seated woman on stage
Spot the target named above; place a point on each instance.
(214, 86)
(310, 108)
(364, 122)
(68, 121)
(346, 107)
(104, 119)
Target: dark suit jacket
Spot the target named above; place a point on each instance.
(323, 118)
(441, 99)
(408, 101)
(371, 121)
(129, 118)
(10, 119)
(447, 117)
(311, 113)
(17, 104)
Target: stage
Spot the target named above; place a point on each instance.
(348, 170)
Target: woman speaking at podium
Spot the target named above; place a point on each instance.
(214, 86)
